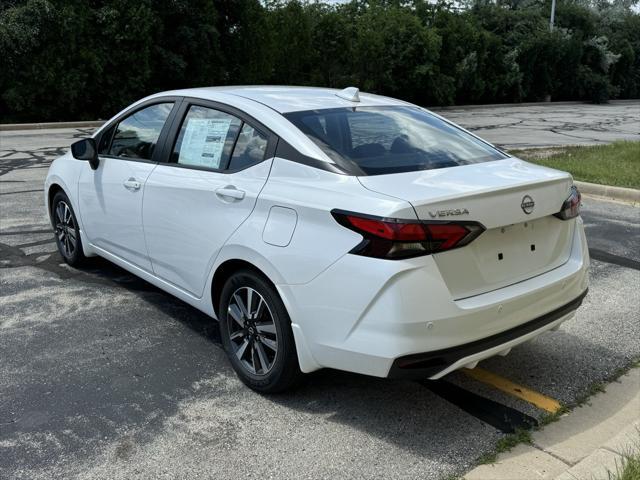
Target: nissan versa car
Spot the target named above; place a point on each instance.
(326, 228)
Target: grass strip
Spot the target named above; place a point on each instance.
(616, 164)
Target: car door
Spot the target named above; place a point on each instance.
(111, 196)
(207, 186)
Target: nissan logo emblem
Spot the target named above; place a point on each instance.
(527, 204)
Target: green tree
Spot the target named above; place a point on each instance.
(395, 54)
(246, 42)
(43, 76)
(186, 45)
(75, 59)
(121, 35)
(290, 27)
(332, 48)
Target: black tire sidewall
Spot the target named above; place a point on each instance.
(78, 256)
(285, 370)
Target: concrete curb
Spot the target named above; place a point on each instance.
(630, 195)
(587, 443)
(39, 126)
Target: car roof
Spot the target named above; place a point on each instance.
(284, 99)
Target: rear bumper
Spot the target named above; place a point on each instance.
(437, 363)
(368, 316)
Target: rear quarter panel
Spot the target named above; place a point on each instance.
(318, 240)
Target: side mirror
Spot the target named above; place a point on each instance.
(86, 149)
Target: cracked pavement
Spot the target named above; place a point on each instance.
(103, 376)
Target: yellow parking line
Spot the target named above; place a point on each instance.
(513, 389)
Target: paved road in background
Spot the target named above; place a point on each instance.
(544, 125)
(104, 376)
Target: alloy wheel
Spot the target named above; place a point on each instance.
(65, 229)
(252, 331)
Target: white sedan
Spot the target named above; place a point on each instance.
(326, 228)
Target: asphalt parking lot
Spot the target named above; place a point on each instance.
(551, 124)
(104, 376)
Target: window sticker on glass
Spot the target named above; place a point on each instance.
(203, 141)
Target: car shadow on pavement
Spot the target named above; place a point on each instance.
(128, 364)
(132, 364)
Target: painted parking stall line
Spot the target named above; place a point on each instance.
(501, 417)
(515, 390)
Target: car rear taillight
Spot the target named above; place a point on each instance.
(394, 238)
(571, 206)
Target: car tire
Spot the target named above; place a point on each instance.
(256, 333)
(66, 230)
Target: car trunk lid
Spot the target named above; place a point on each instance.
(515, 201)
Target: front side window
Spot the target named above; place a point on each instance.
(382, 140)
(137, 135)
(206, 138)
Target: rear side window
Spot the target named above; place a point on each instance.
(382, 140)
(213, 139)
(137, 135)
(206, 138)
(250, 148)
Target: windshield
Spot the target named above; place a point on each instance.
(380, 140)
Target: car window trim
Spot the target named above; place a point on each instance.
(233, 147)
(188, 102)
(157, 151)
(111, 129)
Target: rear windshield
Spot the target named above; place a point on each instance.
(381, 140)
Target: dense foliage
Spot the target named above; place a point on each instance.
(85, 59)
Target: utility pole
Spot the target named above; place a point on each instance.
(553, 14)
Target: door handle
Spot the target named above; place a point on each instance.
(230, 192)
(132, 184)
